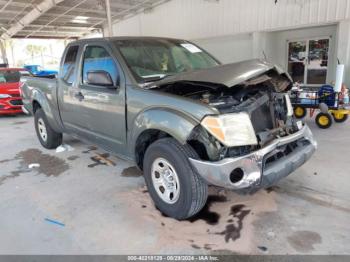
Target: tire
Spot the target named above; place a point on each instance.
(192, 189)
(323, 120)
(340, 118)
(299, 112)
(52, 138)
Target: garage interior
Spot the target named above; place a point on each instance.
(85, 200)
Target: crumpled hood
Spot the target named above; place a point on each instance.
(228, 75)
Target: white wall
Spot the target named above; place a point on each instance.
(234, 30)
(229, 49)
(195, 19)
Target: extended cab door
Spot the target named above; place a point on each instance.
(68, 89)
(102, 106)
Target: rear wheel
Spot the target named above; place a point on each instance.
(47, 136)
(340, 118)
(176, 188)
(323, 120)
(299, 112)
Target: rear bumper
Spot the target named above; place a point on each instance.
(257, 172)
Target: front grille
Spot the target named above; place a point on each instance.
(15, 95)
(17, 102)
(284, 151)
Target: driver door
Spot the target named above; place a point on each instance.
(103, 107)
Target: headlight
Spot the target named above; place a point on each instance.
(4, 96)
(231, 129)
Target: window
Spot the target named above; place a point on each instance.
(68, 70)
(150, 59)
(9, 76)
(97, 58)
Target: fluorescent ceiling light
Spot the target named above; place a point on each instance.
(80, 19)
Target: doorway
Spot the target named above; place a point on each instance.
(308, 61)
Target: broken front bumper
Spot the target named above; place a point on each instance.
(255, 170)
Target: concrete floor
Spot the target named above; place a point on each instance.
(105, 209)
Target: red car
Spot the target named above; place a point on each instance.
(10, 98)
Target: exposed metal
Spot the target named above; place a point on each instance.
(64, 18)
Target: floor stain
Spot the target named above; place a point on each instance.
(304, 241)
(5, 161)
(262, 248)
(90, 148)
(271, 189)
(19, 123)
(72, 158)
(101, 160)
(233, 230)
(132, 171)
(311, 199)
(49, 165)
(207, 247)
(3, 178)
(195, 246)
(212, 218)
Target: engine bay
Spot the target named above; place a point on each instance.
(264, 98)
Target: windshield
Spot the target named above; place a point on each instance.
(9, 76)
(154, 59)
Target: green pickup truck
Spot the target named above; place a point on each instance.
(174, 110)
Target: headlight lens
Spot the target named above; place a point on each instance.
(231, 129)
(4, 96)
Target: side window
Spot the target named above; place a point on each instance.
(68, 70)
(97, 58)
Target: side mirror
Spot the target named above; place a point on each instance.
(100, 78)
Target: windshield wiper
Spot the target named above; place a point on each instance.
(155, 78)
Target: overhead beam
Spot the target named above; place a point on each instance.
(6, 5)
(138, 6)
(57, 17)
(15, 4)
(35, 13)
(46, 37)
(53, 27)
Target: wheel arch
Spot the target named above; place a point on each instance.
(155, 123)
(39, 100)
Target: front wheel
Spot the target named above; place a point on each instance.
(48, 137)
(176, 188)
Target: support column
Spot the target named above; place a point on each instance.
(3, 52)
(109, 18)
(343, 48)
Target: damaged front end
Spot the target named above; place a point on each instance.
(255, 140)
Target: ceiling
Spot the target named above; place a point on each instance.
(63, 18)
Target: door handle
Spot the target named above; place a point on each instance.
(79, 96)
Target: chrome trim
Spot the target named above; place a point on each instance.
(218, 173)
